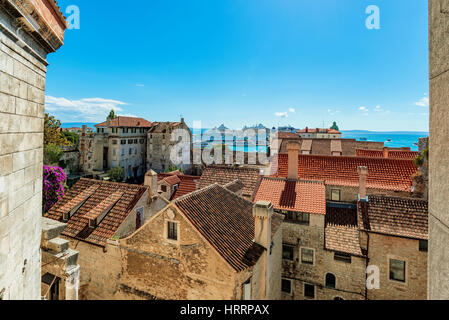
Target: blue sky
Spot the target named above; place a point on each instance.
(242, 62)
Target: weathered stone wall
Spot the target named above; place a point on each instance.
(350, 194)
(22, 85)
(381, 249)
(439, 149)
(350, 277)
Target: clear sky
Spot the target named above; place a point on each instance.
(242, 62)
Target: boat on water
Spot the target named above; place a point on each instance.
(388, 140)
(363, 139)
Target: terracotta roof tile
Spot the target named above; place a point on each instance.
(299, 196)
(387, 174)
(234, 186)
(392, 154)
(77, 227)
(223, 175)
(126, 122)
(343, 238)
(406, 217)
(287, 135)
(187, 183)
(226, 221)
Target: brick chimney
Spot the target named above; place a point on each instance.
(84, 130)
(293, 152)
(386, 152)
(262, 212)
(363, 174)
(151, 182)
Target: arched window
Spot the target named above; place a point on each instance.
(330, 280)
(338, 298)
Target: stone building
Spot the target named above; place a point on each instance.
(60, 269)
(193, 248)
(439, 149)
(322, 258)
(119, 142)
(394, 235)
(96, 211)
(327, 248)
(175, 184)
(29, 31)
(160, 144)
(319, 133)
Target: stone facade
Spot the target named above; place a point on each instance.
(160, 145)
(23, 67)
(382, 248)
(439, 149)
(146, 265)
(350, 277)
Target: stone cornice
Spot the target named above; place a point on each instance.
(40, 18)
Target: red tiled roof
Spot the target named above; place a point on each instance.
(404, 217)
(172, 180)
(163, 127)
(385, 174)
(187, 183)
(299, 196)
(318, 130)
(341, 231)
(77, 227)
(287, 135)
(226, 221)
(343, 238)
(392, 154)
(223, 175)
(126, 122)
(234, 186)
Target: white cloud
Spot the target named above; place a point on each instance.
(281, 114)
(424, 102)
(378, 109)
(292, 110)
(140, 85)
(364, 109)
(83, 110)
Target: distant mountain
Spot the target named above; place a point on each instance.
(384, 132)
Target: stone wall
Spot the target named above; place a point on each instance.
(22, 84)
(350, 194)
(350, 277)
(382, 248)
(439, 149)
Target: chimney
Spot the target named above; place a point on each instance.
(386, 152)
(151, 182)
(262, 212)
(293, 152)
(84, 130)
(363, 173)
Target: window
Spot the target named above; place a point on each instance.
(287, 252)
(114, 141)
(130, 141)
(307, 256)
(164, 188)
(335, 195)
(286, 286)
(247, 290)
(130, 151)
(423, 245)
(172, 230)
(397, 270)
(122, 141)
(309, 291)
(135, 141)
(330, 280)
(299, 217)
(344, 257)
(125, 130)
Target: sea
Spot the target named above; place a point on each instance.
(393, 139)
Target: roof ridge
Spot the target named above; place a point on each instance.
(195, 192)
(397, 197)
(296, 180)
(123, 184)
(285, 154)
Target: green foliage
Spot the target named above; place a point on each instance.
(52, 154)
(52, 132)
(116, 174)
(419, 160)
(71, 137)
(172, 168)
(425, 153)
(334, 126)
(111, 115)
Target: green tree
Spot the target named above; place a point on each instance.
(116, 174)
(334, 126)
(52, 154)
(111, 115)
(52, 132)
(172, 168)
(71, 137)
